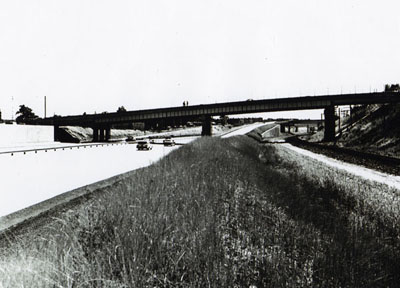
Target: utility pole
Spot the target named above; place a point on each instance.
(12, 108)
(45, 107)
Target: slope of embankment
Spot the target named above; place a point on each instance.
(375, 130)
(74, 134)
(218, 213)
(259, 133)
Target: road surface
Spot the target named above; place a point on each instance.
(245, 129)
(30, 178)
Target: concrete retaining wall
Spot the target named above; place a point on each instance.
(11, 134)
(273, 132)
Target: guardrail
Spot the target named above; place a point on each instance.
(35, 150)
(70, 147)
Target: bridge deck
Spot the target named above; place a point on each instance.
(226, 108)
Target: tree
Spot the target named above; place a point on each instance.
(25, 114)
(392, 88)
(121, 109)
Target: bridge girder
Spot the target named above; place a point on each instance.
(228, 108)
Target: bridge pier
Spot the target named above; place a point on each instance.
(101, 138)
(108, 133)
(150, 125)
(95, 134)
(101, 134)
(56, 133)
(159, 124)
(283, 128)
(206, 129)
(329, 133)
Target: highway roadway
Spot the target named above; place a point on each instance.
(245, 129)
(30, 177)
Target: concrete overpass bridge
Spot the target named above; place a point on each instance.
(310, 125)
(101, 123)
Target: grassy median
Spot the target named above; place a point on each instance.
(217, 213)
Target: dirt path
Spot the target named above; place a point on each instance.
(365, 173)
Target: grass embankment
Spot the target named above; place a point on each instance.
(216, 213)
(378, 132)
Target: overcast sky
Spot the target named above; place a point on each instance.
(96, 55)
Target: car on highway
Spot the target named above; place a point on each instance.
(143, 145)
(130, 139)
(168, 141)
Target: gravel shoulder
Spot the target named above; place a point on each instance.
(349, 157)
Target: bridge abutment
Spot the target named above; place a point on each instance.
(329, 133)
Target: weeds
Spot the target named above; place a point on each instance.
(218, 213)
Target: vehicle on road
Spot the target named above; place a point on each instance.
(130, 139)
(143, 145)
(168, 142)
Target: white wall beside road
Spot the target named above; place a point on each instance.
(13, 134)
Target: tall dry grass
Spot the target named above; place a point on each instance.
(215, 213)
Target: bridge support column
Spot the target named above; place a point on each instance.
(206, 126)
(283, 127)
(162, 124)
(101, 136)
(154, 124)
(95, 134)
(108, 133)
(56, 133)
(329, 133)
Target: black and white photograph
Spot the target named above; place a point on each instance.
(199, 143)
